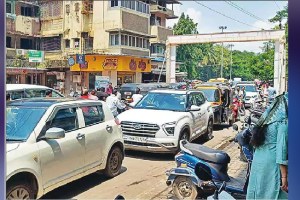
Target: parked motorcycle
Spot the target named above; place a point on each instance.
(186, 179)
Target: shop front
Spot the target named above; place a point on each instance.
(25, 76)
(119, 69)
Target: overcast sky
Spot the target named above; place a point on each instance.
(209, 21)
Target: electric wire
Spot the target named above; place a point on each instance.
(226, 15)
(246, 12)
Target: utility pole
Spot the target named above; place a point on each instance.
(222, 60)
(231, 45)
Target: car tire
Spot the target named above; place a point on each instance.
(183, 135)
(209, 130)
(184, 188)
(114, 162)
(20, 190)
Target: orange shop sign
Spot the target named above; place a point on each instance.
(117, 63)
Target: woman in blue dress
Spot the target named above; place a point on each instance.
(268, 176)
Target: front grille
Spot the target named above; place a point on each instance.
(141, 144)
(139, 129)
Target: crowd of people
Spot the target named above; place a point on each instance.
(112, 97)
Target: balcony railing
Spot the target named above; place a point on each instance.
(27, 25)
(168, 12)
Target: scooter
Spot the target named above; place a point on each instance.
(186, 179)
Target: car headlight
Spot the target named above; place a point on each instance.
(169, 128)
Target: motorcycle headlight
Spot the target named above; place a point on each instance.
(169, 128)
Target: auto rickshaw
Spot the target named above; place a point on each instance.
(220, 97)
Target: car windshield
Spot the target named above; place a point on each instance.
(211, 95)
(163, 101)
(249, 88)
(20, 122)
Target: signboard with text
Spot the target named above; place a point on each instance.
(36, 56)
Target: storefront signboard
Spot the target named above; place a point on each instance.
(36, 56)
(98, 63)
(101, 81)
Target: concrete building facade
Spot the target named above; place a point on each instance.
(118, 39)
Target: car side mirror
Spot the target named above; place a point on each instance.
(195, 108)
(54, 133)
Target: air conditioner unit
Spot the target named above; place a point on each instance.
(76, 79)
(20, 52)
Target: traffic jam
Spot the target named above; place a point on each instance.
(54, 139)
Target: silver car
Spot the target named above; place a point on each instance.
(51, 142)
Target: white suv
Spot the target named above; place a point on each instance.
(51, 142)
(164, 117)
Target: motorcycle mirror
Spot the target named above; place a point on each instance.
(235, 127)
(203, 172)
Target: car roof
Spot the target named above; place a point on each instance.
(174, 91)
(10, 87)
(47, 102)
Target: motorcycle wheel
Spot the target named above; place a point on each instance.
(184, 188)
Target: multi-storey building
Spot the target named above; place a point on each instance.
(113, 35)
(22, 35)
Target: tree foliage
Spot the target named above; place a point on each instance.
(203, 61)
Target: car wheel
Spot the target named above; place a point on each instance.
(184, 135)
(184, 188)
(114, 162)
(209, 130)
(19, 190)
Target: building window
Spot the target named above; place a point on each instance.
(76, 7)
(8, 42)
(68, 8)
(67, 44)
(157, 49)
(26, 43)
(88, 43)
(8, 8)
(133, 5)
(158, 21)
(51, 44)
(113, 3)
(76, 42)
(26, 11)
(114, 40)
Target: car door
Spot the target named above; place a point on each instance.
(61, 159)
(97, 132)
(196, 115)
(204, 115)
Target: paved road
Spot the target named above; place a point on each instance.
(143, 174)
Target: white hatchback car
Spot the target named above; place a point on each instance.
(51, 142)
(20, 91)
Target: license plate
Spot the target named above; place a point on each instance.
(127, 93)
(135, 138)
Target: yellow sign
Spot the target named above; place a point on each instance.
(115, 63)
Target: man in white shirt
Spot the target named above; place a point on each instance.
(136, 97)
(113, 102)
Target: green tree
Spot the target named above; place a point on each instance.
(189, 54)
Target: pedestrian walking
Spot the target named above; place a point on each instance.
(109, 89)
(101, 94)
(269, 170)
(136, 97)
(93, 96)
(84, 94)
(114, 103)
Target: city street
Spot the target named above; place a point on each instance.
(143, 175)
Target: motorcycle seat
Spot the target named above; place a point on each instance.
(208, 154)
